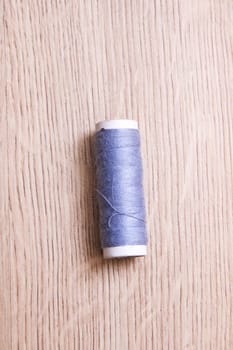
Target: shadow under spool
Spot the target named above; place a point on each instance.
(130, 239)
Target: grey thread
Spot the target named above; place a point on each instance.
(119, 187)
(117, 212)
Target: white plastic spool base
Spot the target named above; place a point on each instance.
(127, 250)
(117, 124)
(124, 251)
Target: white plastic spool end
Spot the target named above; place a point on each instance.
(117, 124)
(124, 251)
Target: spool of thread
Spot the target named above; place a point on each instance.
(120, 189)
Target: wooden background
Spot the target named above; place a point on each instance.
(64, 65)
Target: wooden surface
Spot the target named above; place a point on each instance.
(64, 66)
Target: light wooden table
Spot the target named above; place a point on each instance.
(64, 66)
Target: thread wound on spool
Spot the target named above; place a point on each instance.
(120, 192)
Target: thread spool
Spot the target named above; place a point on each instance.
(119, 189)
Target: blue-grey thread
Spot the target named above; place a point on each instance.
(119, 187)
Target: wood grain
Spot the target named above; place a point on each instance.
(64, 66)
